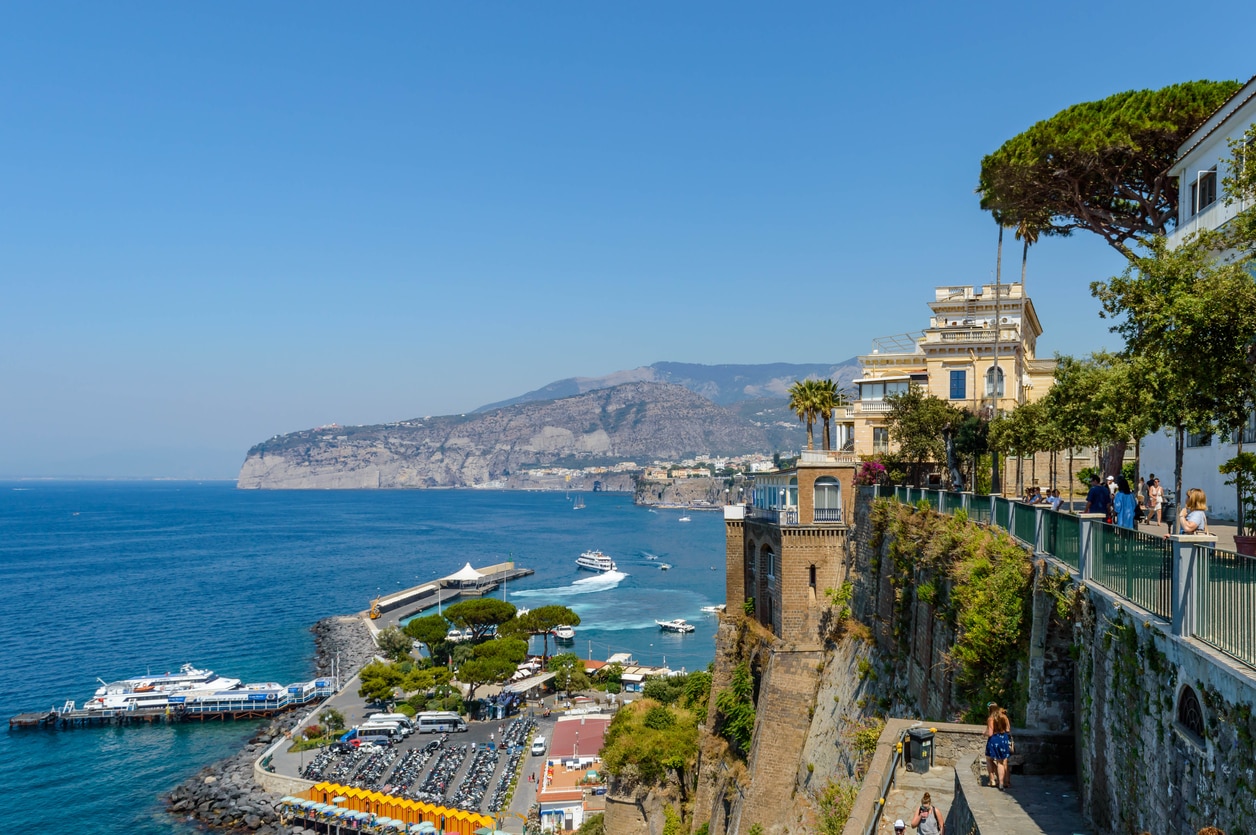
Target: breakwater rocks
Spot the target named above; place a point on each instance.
(346, 636)
(224, 796)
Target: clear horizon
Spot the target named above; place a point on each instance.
(226, 223)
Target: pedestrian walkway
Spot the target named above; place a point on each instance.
(904, 798)
(1037, 804)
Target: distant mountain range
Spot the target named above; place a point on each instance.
(666, 411)
(724, 385)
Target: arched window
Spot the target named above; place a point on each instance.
(991, 375)
(1189, 714)
(769, 561)
(828, 499)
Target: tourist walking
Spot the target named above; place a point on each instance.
(1123, 503)
(998, 746)
(1098, 500)
(1193, 517)
(927, 820)
(1155, 495)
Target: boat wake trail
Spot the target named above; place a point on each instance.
(586, 585)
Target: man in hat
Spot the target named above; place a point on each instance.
(899, 827)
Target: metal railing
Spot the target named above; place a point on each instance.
(1225, 608)
(1024, 523)
(1137, 566)
(1062, 538)
(1201, 591)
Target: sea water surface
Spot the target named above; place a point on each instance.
(113, 580)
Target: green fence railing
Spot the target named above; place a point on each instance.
(1062, 538)
(1220, 589)
(1225, 608)
(1002, 513)
(979, 509)
(1025, 524)
(1137, 566)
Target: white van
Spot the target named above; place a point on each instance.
(440, 721)
(538, 746)
(371, 731)
(402, 721)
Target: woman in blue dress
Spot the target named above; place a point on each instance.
(1124, 503)
(998, 746)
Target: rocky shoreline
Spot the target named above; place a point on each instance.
(223, 796)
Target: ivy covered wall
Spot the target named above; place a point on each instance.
(1166, 728)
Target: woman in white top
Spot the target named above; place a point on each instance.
(1155, 493)
(1193, 518)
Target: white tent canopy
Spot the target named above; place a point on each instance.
(466, 575)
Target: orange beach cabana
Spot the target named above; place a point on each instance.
(401, 809)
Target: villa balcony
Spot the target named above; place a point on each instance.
(779, 516)
(827, 456)
(969, 335)
(873, 407)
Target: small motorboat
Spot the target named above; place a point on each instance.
(684, 518)
(664, 566)
(678, 625)
(564, 633)
(713, 610)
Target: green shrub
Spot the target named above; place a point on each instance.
(734, 717)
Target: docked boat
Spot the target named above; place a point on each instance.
(155, 691)
(678, 625)
(564, 633)
(595, 561)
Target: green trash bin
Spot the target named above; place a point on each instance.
(921, 750)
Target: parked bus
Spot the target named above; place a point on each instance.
(371, 731)
(405, 722)
(440, 721)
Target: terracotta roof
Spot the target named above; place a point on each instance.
(583, 735)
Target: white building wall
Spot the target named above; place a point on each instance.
(1207, 147)
(1231, 122)
(1199, 469)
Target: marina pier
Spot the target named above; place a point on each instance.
(469, 582)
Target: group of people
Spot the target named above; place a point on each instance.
(1035, 495)
(1125, 508)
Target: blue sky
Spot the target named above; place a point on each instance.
(219, 222)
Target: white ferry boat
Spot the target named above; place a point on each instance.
(564, 633)
(677, 625)
(155, 691)
(595, 561)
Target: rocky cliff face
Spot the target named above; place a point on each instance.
(633, 422)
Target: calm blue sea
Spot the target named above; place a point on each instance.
(116, 579)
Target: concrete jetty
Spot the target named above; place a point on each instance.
(393, 607)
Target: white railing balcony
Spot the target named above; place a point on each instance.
(949, 334)
(827, 515)
(827, 456)
(873, 407)
(776, 516)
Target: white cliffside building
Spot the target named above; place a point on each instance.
(1200, 168)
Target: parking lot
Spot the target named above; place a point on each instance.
(472, 770)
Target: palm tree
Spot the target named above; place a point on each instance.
(827, 399)
(804, 402)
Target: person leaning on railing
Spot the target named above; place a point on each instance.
(1193, 517)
